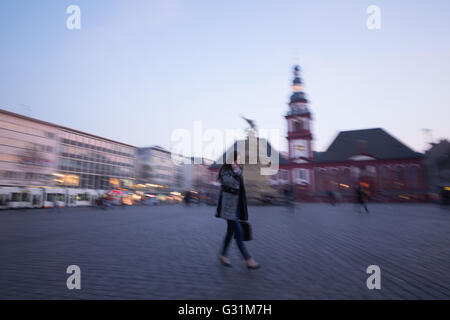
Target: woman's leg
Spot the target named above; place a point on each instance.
(237, 230)
(228, 237)
(365, 207)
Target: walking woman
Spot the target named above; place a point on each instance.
(232, 207)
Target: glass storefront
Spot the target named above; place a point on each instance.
(96, 162)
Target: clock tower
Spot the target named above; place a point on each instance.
(299, 123)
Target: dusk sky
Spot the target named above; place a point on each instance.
(138, 70)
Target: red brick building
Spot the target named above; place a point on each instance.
(385, 167)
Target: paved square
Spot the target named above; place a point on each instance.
(318, 252)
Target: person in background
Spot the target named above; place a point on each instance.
(55, 203)
(444, 195)
(332, 198)
(361, 198)
(286, 195)
(187, 198)
(288, 192)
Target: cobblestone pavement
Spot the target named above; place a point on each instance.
(318, 252)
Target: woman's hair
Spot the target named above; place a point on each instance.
(227, 165)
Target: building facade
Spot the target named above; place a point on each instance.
(38, 153)
(155, 167)
(91, 162)
(28, 151)
(384, 167)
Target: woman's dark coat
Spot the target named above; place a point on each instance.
(242, 198)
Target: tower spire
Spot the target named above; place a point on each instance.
(299, 122)
(297, 83)
(297, 87)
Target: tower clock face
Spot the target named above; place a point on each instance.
(300, 149)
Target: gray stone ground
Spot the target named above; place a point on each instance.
(318, 252)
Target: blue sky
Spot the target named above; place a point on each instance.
(137, 70)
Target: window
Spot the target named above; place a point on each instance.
(25, 197)
(301, 175)
(371, 171)
(3, 199)
(298, 125)
(346, 179)
(83, 197)
(384, 177)
(356, 172)
(321, 179)
(399, 178)
(11, 175)
(50, 135)
(334, 179)
(414, 176)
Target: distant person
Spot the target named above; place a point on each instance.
(332, 198)
(188, 198)
(288, 193)
(361, 198)
(109, 201)
(101, 203)
(267, 199)
(55, 204)
(445, 196)
(232, 207)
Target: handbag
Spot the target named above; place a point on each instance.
(230, 190)
(247, 234)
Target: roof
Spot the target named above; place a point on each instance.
(155, 148)
(318, 155)
(12, 114)
(376, 143)
(298, 97)
(202, 161)
(217, 164)
(441, 148)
